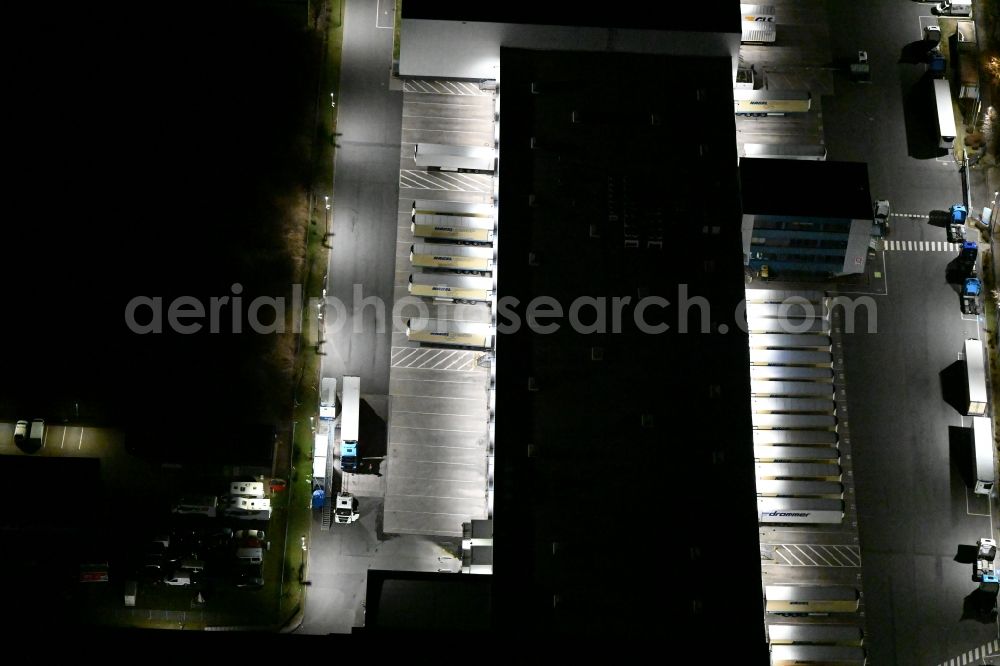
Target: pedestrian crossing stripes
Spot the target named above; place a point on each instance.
(445, 180)
(920, 246)
(444, 87)
(911, 215)
(991, 649)
(435, 359)
(808, 555)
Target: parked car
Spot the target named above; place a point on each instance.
(20, 432)
(37, 433)
(179, 577)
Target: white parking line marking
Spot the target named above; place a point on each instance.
(63, 443)
(80, 445)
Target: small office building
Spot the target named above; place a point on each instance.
(805, 217)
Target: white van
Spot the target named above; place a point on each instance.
(178, 578)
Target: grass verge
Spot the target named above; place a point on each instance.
(308, 362)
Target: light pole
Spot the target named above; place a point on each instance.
(326, 234)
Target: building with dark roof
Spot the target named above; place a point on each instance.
(625, 482)
(806, 217)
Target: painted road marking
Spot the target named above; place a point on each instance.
(63, 443)
(920, 246)
(985, 650)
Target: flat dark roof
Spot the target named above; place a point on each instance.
(49, 494)
(410, 601)
(626, 499)
(805, 188)
(713, 16)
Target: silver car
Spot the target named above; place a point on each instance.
(20, 432)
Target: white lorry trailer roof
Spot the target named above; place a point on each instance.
(328, 398)
(450, 333)
(982, 452)
(813, 471)
(451, 257)
(790, 372)
(806, 511)
(789, 357)
(769, 405)
(819, 634)
(789, 341)
(779, 388)
(796, 453)
(795, 437)
(821, 655)
(781, 421)
(351, 405)
(431, 207)
(451, 287)
(784, 151)
(775, 488)
(447, 157)
(976, 373)
(321, 446)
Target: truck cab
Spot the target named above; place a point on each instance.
(880, 225)
(349, 457)
(346, 511)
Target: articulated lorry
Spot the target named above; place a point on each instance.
(349, 419)
(975, 378)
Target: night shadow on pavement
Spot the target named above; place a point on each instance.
(966, 554)
(955, 274)
(953, 386)
(939, 218)
(374, 438)
(916, 53)
(920, 119)
(960, 452)
(980, 606)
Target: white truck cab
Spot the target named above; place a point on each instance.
(346, 510)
